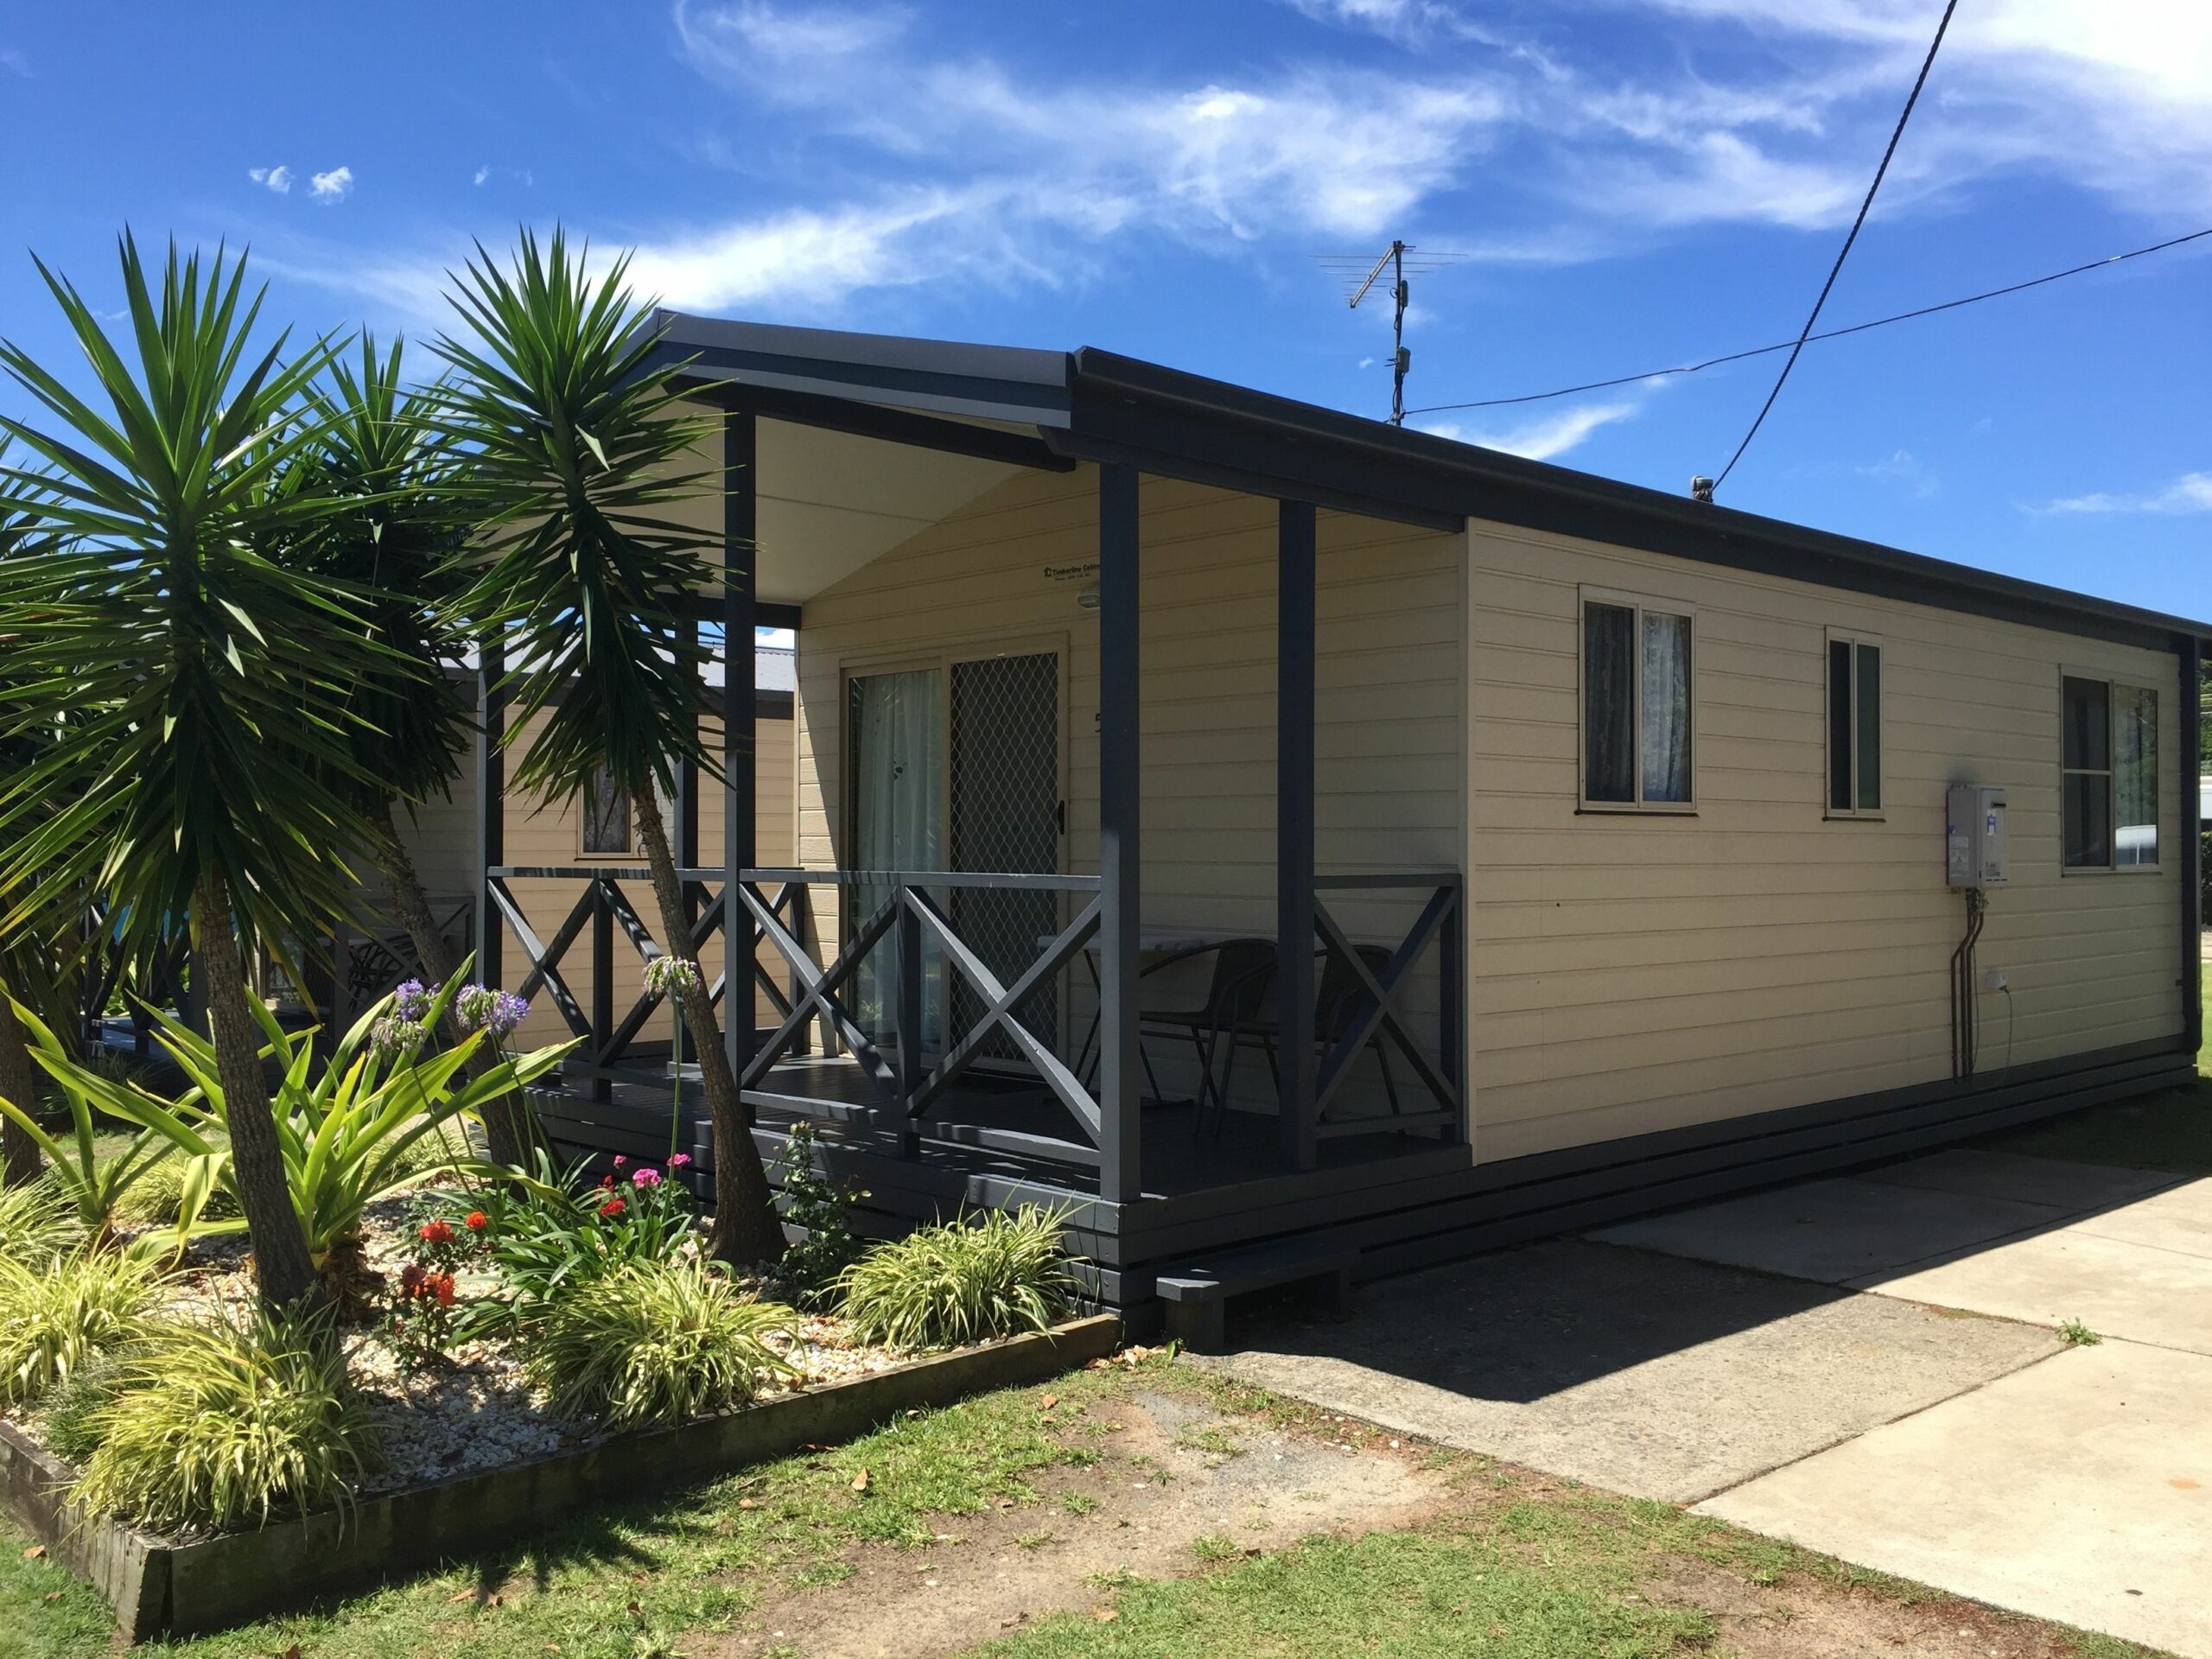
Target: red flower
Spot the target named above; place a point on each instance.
(606, 1180)
(612, 1208)
(411, 1277)
(440, 1285)
(436, 1232)
(478, 1221)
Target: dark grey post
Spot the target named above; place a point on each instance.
(739, 532)
(1120, 1073)
(687, 831)
(490, 806)
(1295, 828)
(603, 986)
(2188, 856)
(911, 1074)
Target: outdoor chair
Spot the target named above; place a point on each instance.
(1340, 1001)
(1237, 993)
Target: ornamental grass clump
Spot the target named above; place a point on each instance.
(967, 1280)
(37, 1223)
(56, 1317)
(217, 1426)
(659, 1342)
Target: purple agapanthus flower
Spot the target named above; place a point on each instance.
(485, 1008)
(410, 1001)
(393, 1037)
(667, 976)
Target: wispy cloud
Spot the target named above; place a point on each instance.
(1901, 469)
(1542, 437)
(2190, 492)
(278, 178)
(488, 172)
(333, 186)
(13, 60)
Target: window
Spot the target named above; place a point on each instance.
(2108, 762)
(1637, 706)
(607, 816)
(1854, 727)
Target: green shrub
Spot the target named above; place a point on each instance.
(56, 1317)
(820, 1207)
(548, 1235)
(658, 1342)
(38, 1223)
(990, 1275)
(214, 1426)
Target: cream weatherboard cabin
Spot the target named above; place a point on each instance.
(1272, 834)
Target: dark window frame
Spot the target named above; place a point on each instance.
(1855, 642)
(1639, 606)
(2114, 687)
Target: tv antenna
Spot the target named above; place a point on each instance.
(1397, 258)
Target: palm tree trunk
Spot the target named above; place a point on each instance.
(19, 1160)
(283, 1267)
(746, 1230)
(507, 1126)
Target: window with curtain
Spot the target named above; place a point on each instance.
(2108, 760)
(1638, 703)
(607, 816)
(1854, 727)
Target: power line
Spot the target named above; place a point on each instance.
(1842, 253)
(1830, 333)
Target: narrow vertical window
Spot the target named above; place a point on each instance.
(1854, 781)
(2085, 760)
(1638, 703)
(606, 816)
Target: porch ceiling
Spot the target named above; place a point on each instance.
(829, 502)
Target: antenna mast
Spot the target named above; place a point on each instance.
(1401, 359)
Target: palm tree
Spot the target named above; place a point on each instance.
(405, 513)
(208, 685)
(586, 445)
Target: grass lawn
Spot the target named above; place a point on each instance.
(1497, 1560)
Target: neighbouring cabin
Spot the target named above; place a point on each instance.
(1268, 834)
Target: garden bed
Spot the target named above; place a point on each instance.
(161, 1586)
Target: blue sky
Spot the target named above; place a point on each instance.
(1626, 184)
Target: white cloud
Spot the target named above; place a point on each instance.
(278, 178)
(1903, 469)
(2190, 492)
(1542, 437)
(13, 60)
(482, 174)
(333, 186)
(486, 172)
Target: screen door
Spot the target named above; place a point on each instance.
(896, 722)
(1004, 783)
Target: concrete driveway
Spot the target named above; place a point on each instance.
(1867, 1366)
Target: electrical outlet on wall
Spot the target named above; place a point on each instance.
(1994, 980)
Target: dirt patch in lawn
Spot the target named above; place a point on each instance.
(1804, 1618)
(1179, 1486)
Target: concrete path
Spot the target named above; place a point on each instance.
(1866, 1366)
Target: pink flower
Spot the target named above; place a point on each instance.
(678, 1160)
(619, 1160)
(646, 1178)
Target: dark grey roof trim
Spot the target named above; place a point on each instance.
(1101, 406)
(1003, 382)
(1296, 448)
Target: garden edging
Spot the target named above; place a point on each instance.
(159, 1586)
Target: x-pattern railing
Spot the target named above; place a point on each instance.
(908, 1088)
(604, 908)
(1382, 1009)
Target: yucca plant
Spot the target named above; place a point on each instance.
(583, 444)
(659, 1342)
(211, 684)
(215, 1426)
(996, 1274)
(38, 1223)
(54, 1318)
